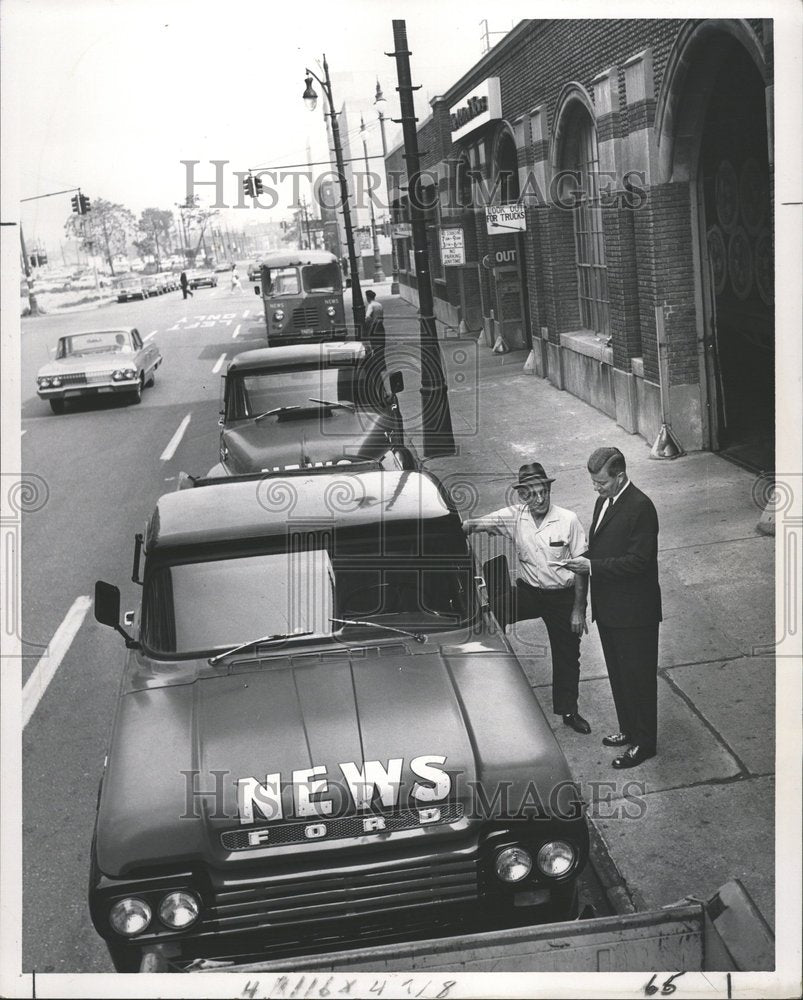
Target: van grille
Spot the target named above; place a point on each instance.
(304, 317)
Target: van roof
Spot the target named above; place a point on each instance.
(294, 258)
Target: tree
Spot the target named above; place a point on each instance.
(155, 225)
(107, 223)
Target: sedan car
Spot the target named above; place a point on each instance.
(98, 361)
(310, 405)
(253, 271)
(198, 278)
(130, 287)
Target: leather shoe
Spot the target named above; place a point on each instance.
(616, 740)
(632, 757)
(577, 722)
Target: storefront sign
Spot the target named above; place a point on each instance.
(453, 251)
(401, 231)
(481, 106)
(504, 219)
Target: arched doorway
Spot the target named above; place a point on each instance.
(717, 101)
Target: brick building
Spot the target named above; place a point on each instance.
(597, 187)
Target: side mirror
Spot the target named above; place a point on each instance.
(107, 611)
(107, 604)
(257, 290)
(396, 383)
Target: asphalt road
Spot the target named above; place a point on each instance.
(104, 463)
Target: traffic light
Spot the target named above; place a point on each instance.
(41, 258)
(257, 185)
(76, 207)
(248, 186)
(83, 204)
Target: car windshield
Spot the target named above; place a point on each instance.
(321, 277)
(303, 582)
(260, 393)
(283, 281)
(82, 344)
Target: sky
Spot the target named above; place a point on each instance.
(112, 95)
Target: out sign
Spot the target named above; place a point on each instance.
(453, 250)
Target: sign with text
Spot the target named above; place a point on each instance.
(505, 219)
(453, 250)
(401, 231)
(482, 105)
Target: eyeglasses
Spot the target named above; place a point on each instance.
(533, 492)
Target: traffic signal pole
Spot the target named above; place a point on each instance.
(436, 417)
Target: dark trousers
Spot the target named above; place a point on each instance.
(631, 656)
(555, 608)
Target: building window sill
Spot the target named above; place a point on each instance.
(637, 367)
(588, 343)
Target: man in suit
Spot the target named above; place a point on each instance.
(622, 561)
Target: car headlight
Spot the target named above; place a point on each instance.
(556, 858)
(331, 310)
(117, 375)
(55, 382)
(44, 383)
(130, 373)
(130, 916)
(178, 910)
(279, 315)
(513, 864)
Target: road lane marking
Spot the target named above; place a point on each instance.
(245, 314)
(175, 440)
(218, 364)
(236, 333)
(151, 334)
(22, 432)
(49, 663)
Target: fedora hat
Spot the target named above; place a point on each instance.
(532, 474)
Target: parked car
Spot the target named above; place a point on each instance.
(253, 271)
(197, 278)
(98, 362)
(322, 735)
(307, 405)
(152, 284)
(130, 286)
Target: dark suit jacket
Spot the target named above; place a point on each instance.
(623, 552)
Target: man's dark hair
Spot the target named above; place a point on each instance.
(610, 457)
(370, 295)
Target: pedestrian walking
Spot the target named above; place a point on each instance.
(545, 535)
(185, 285)
(375, 324)
(622, 561)
(235, 278)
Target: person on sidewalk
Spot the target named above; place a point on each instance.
(375, 325)
(185, 285)
(545, 534)
(622, 561)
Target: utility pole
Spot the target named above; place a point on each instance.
(33, 307)
(379, 274)
(436, 418)
(380, 103)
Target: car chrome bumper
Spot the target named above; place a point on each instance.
(90, 389)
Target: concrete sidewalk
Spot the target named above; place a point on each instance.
(702, 811)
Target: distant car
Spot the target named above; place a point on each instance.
(98, 361)
(253, 271)
(152, 284)
(220, 268)
(130, 287)
(310, 405)
(198, 278)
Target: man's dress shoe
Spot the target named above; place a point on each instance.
(632, 757)
(577, 722)
(616, 740)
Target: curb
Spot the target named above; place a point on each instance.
(617, 891)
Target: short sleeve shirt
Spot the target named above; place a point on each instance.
(539, 549)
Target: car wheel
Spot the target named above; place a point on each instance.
(136, 395)
(57, 405)
(152, 380)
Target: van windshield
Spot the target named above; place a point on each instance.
(321, 277)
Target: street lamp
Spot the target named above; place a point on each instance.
(311, 99)
(379, 274)
(381, 104)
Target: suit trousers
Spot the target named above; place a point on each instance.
(631, 656)
(555, 608)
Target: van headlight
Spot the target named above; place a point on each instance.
(278, 315)
(556, 858)
(331, 310)
(130, 917)
(178, 910)
(513, 864)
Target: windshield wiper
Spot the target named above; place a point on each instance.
(274, 411)
(255, 642)
(338, 406)
(418, 636)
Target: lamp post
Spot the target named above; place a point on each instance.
(381, 104)
(379, 274)
(311, 100)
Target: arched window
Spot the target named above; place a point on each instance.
(508, 166)
(581, 159)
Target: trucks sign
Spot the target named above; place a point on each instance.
(505, 219)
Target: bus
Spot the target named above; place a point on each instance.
(302, 295)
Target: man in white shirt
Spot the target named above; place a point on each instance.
(545, 536)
